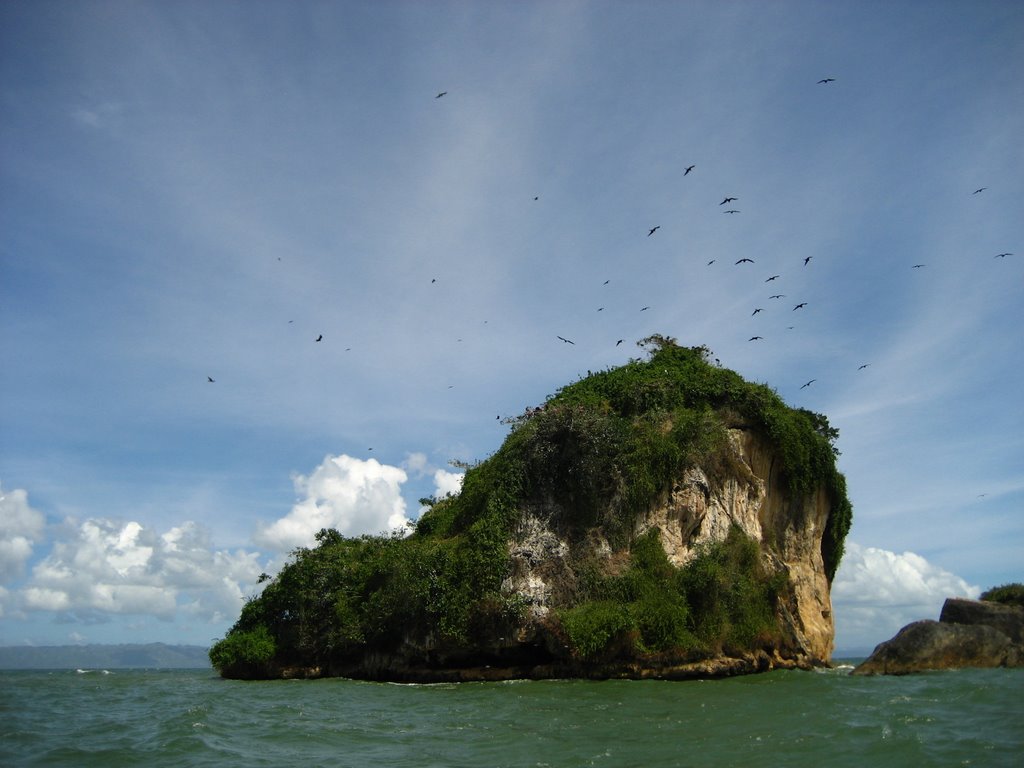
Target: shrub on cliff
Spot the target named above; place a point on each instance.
(244, 653)
(1007, 594)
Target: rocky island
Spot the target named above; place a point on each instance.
(969, 633)
(661, 519)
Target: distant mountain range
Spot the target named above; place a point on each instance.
(131, 656)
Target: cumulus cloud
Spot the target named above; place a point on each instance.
(876, 592)
(447, 483)
(354, 496)
(100, 567)
(20, 528)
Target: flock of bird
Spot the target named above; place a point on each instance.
(726, 200)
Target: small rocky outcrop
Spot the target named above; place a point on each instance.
(969, 633)
(1008, 619)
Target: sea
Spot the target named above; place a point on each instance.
(96, 717)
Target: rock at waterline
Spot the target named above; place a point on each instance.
(970, 633)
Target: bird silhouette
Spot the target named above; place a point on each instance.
(862, 367)
(751, 261)
(773, 277)
(567, 341)
(687, 171)
(442, 93)
(1002, 255)
(755, 338)
(653, 230)
(209, 379)
(777, 296)
(807, 260)
(320, 337)
(619, 342)
(826, 80)
(731, 211)
(759, 309)
(803, 386)
(798, 306)
(711, 262)
(644, 309)
(606, 282)
(980, 189)
(917, 266)
(728, 200)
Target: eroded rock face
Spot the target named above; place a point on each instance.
(702, 507)
(969, 633)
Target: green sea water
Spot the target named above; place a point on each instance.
(824, 718)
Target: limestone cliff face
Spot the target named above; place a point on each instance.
(702, 506)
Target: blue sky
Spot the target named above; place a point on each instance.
(193, 190)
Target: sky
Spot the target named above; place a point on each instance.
(269, 267)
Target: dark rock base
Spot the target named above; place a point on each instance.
(970, 634)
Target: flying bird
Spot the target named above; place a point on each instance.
(917, 266)
(567, 341)
(653, 230)
(320, 337)
(711, 262)
(773, 277)
(732, 211)
(606, 282)
(209, 379)
(619, 342)
(777, 296)
(687, 171)
(745, 259)
(644, 309)
(826, 80)
(798, 306)
(1002, 255)
(980, 189)
(442, 93)
(728, 200)
(808, 383)
(807, 259)
(755, 338)
(862, 367)
(759, 309)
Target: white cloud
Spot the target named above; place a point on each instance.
(417, 463)
(351, 495)
(876, 592)
(447, 483)
(20, 527)
(101, 567)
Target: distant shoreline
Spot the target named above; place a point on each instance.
(96, 656)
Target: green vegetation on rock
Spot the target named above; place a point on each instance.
(602, 451)
(1007, 594)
